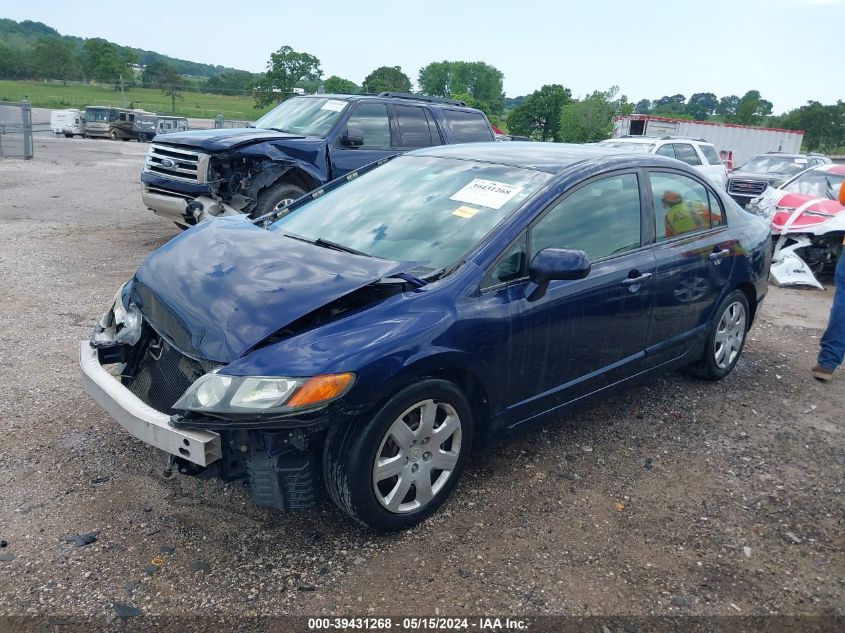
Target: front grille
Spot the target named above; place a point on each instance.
(747, 187)
(177, 164)
(164, 374)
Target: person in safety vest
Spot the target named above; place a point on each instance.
(686, 217)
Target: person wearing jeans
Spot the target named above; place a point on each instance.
(832, 349)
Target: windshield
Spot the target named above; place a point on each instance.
(416, 208)
(780, 164)
(99, 116)
(816, 183)
(309, 116)
(644, 148)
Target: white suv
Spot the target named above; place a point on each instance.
(696, 152)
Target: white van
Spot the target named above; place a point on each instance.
(61, 118)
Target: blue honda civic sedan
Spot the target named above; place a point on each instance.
(365, 337)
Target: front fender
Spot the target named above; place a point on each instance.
(306, 155)
(406, 335)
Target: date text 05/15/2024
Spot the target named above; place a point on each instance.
(417, 624)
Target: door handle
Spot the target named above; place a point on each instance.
(718, 256)
(635, 281)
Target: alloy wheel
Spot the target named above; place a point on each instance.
(417, 456)
(730, 333)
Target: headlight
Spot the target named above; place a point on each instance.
(218, 393)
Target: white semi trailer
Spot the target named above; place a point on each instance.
(735, 143)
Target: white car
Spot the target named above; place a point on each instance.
(696, 152)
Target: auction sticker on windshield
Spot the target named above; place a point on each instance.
(335, 105)
(464, 212)
(487, 193)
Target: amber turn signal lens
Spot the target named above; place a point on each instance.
(320, 389)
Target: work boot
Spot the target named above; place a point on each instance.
(822, 373)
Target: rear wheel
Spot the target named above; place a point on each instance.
(726, 338)
(392, 471)
(275, 197)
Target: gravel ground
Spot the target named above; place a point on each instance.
(676, 498)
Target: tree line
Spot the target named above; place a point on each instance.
(19, 39)
(550, 113)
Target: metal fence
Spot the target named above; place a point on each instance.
(220, 122)
(15, 129)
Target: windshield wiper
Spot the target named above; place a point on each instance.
(339, 247)
(830, 192)
(278, 129)
(327, 244)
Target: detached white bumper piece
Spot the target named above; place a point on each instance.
(788, 269)
(141, 420)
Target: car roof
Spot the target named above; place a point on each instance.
(641, 139)
(552, 158)
(656, 139)
(781, 155)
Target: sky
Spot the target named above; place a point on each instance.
(791, 51)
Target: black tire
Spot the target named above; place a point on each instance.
(68, 135)
(709, 366)
(270, 197)
(351, 450)
(182, 226)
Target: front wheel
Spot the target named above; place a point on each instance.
(394, 470)
(726, 338)
(276, 197)
(113, 135)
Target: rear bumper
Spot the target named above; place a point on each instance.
(139, 419)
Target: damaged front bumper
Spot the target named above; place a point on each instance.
(184, 209)
(139, 419)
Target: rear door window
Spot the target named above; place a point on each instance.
(686, 153)
(468, 127)
(413, 126)
(682, 205)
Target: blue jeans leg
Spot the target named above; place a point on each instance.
(833, 340)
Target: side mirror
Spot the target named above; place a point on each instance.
(354, 137)
(558, 263)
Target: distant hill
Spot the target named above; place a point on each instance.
(21, 37)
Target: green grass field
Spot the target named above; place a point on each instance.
(192, 104)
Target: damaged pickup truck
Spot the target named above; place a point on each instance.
(366, 336)
(299, 146)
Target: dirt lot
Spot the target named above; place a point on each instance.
(679, 497)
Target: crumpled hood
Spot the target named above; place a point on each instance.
(799, 212)
(225, 285)
(222, 140)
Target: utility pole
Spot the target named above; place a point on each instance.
(122, 94)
